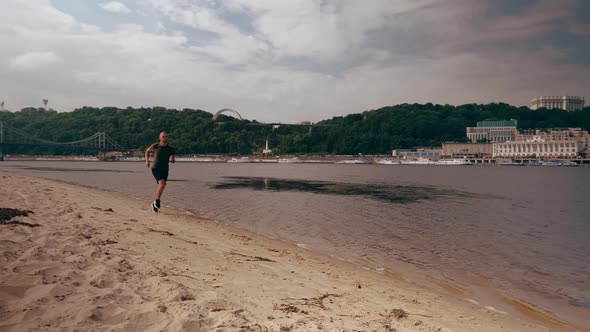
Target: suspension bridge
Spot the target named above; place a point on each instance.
(99, 142)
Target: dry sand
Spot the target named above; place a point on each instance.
(101, 261)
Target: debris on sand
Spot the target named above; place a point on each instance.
(253, 258)
(6, 214)
(289, 308)
(314, 301)
(16, 222)
(157, 231)
(395, 313)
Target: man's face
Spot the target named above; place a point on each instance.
(164, 137)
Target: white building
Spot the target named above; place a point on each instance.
(568, 103)
(557, 134)
(493, 131)
(537, 147)
(491, 134)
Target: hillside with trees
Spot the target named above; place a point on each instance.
(194, 132)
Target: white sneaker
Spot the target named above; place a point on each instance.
(154, 207)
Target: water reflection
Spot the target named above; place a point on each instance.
(401, 194)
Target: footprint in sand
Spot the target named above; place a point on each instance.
(164, 290)
(152, 320)
(34, 312)
(52, 275)
(10, 256)
(124, 266)
(59, 294)
(109, 314)
(14, 292)
(202, 324)
(103, 283)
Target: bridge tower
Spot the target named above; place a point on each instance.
(102, 139)
(101, 145)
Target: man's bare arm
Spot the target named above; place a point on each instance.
(147, 156)
(172, 160)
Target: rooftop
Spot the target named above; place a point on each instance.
(497, 123)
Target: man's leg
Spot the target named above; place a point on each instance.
(161, 177)
(161, 186)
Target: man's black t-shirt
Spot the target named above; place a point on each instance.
(161, 156)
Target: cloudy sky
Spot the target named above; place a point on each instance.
(290, 60)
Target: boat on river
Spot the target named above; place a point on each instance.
(419, 161)
(558, 163)
(352, 161)
(387, 162)
(453, 162)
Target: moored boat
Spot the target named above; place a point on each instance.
(387, 162)
(240, 160)
(453, 162)
(352, 161)
(558, 163)
(289, 160)
(419, 161)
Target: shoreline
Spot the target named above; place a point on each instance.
(382, 160)
(92, 268)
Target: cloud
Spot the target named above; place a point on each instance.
(580, 28)
(286, 60)
(33, 60)
(229, 45)
(454, 26)
(323, 30)
(115, 7)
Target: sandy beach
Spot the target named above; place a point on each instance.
(90, 260)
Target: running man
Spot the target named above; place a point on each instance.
(163, 153)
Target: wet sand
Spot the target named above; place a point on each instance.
(103, 261)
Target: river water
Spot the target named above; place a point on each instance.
(493, 231)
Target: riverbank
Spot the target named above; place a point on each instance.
(325, 159)
(101, 260)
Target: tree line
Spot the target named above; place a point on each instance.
(194, 131)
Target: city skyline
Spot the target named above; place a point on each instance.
(290, 61)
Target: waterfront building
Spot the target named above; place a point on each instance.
(418, 153)
(537, 148)
(568, 103)
(493, 131)
(467, 150)
(559, 134)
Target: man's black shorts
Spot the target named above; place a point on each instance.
(160, 174)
